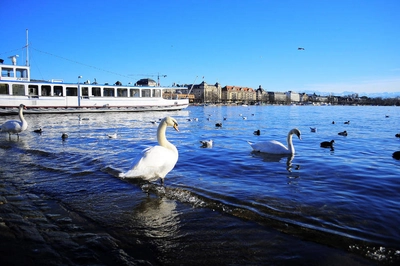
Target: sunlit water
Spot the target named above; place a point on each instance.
(225, 204)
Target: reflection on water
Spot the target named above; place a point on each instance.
(276, 158)
(158, 220)
(158, 217)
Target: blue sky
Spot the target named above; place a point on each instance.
(349, 45)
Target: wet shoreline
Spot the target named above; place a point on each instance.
(39, 231)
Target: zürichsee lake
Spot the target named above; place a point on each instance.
(223, 205)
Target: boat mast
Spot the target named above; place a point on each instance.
(27, 50)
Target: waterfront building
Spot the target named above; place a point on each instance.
(261, 95)
(277, 97)
(205, 93)
(292, 97)
(235, 94)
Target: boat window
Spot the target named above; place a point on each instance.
(122, 92)
(18, 89)
(109, 92)
(146, 92)
(7, 72)
(96, 91)
(4, 89)
(33, 89)
(22, 73)
(72, 91)
(167, 94)
(135, 93)
(156, 93)
(58, 91)
(46, 90)
(85, 91)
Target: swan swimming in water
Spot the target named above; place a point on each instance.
(15, 126)
(157, 161)
(275, 147)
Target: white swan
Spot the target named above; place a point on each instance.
(157, 161)
(15, 126)
(275, 147)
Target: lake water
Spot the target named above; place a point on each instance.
(225, 205)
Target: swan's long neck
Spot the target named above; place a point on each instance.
(290, 142)
(162, 139)
(21, 117)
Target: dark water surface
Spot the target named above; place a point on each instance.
(222, 205)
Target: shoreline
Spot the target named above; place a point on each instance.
(39, 231)
(36, 230)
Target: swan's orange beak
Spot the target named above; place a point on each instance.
(176, 127)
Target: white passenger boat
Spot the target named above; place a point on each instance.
(57, 96)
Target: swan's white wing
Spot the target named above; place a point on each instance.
(153, 163)
(12, 126)
(273, 147)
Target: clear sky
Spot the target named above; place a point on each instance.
(350, 45)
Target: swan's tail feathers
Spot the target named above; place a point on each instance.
(252, 145)
(112, 171)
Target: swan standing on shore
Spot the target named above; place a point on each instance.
(157, 161)
(15, 126)
(275, 147)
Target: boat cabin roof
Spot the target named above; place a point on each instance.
(14, 72)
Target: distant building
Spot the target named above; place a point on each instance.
(303, 98)
(204, 93)
(235, 94)
(292, 97)
(261, 95)
(277, 97)
(146, 82)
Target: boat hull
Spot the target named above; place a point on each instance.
(87, 106)
(134, 99)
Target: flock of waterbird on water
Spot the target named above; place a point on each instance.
(156, 162)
